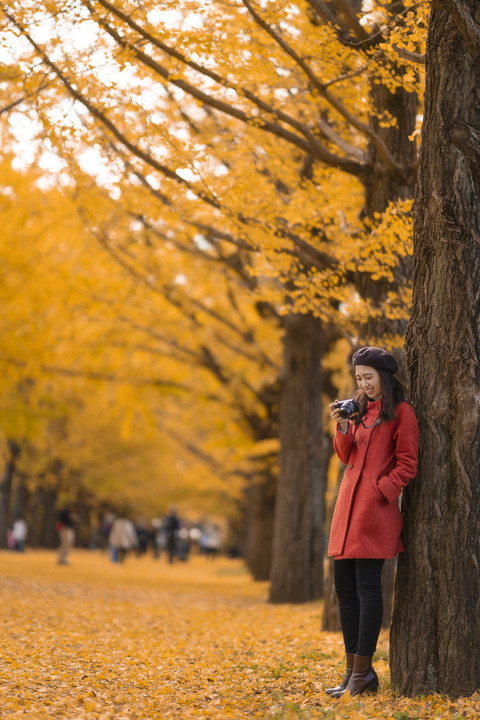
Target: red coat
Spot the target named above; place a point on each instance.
(380, 462)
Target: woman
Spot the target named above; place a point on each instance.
(379, 446)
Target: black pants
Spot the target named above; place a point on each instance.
(358, 584)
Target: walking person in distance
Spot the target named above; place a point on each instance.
(65, 527)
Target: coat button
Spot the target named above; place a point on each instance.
(350, 467)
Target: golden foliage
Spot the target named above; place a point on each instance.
(148, 640)
(107, 366)
(199, 160)
(248, 119)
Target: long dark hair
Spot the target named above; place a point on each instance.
(393, 392)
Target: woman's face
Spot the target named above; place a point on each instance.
(368, 380)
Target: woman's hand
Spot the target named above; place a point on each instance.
(336, 417)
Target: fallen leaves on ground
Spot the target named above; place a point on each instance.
(192, 640)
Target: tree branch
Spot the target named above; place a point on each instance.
(104, 120)
(202, 227)
(321, 88)
(304, 251)
(105, 376)
(334, 137)
(14, 103)
(316, 148)
(308, 143)
(413, 57)
(352, 20)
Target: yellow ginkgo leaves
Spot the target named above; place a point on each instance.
(99, 641)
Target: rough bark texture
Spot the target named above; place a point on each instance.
(298, 545)
(436, 623)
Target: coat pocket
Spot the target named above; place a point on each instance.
(374, 483)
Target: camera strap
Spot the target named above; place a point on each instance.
(367, 427)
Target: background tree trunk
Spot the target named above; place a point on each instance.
(261, 508)
(388, 587)
(48, 536)
(436, 623)
(298, 543)
(21, 497)
(331, 613)
(6, 489)
(43, 517)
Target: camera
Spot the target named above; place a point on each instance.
(347, 408)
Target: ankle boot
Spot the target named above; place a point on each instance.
(348, 671)
(363, 677)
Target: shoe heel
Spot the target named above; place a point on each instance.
(373, 687)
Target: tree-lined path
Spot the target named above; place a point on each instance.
(205, 207)
(147, 640)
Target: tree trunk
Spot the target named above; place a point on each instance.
(43, 517)
(261, 508)
(331, 614)
(83, 510)
(21, 497)
(436, 623)
(6, 490)
(47, 536)
(298, 543)
(35, 511)
(388, 587)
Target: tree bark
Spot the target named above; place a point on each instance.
(436, 622)
(298, 544)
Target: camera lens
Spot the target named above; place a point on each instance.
(347, 408)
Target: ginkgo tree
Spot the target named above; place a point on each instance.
(277, 134)
(98, 342)
(64, 343)
(436, 615)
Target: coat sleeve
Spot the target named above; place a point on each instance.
(343, 443)
(406, 454)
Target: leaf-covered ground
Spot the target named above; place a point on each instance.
(196, 640)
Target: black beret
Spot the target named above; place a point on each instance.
(377, 358)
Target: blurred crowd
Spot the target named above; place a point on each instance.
(171, 536)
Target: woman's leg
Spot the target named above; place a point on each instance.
(368, 586)
(369, 589)
(348, 601)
